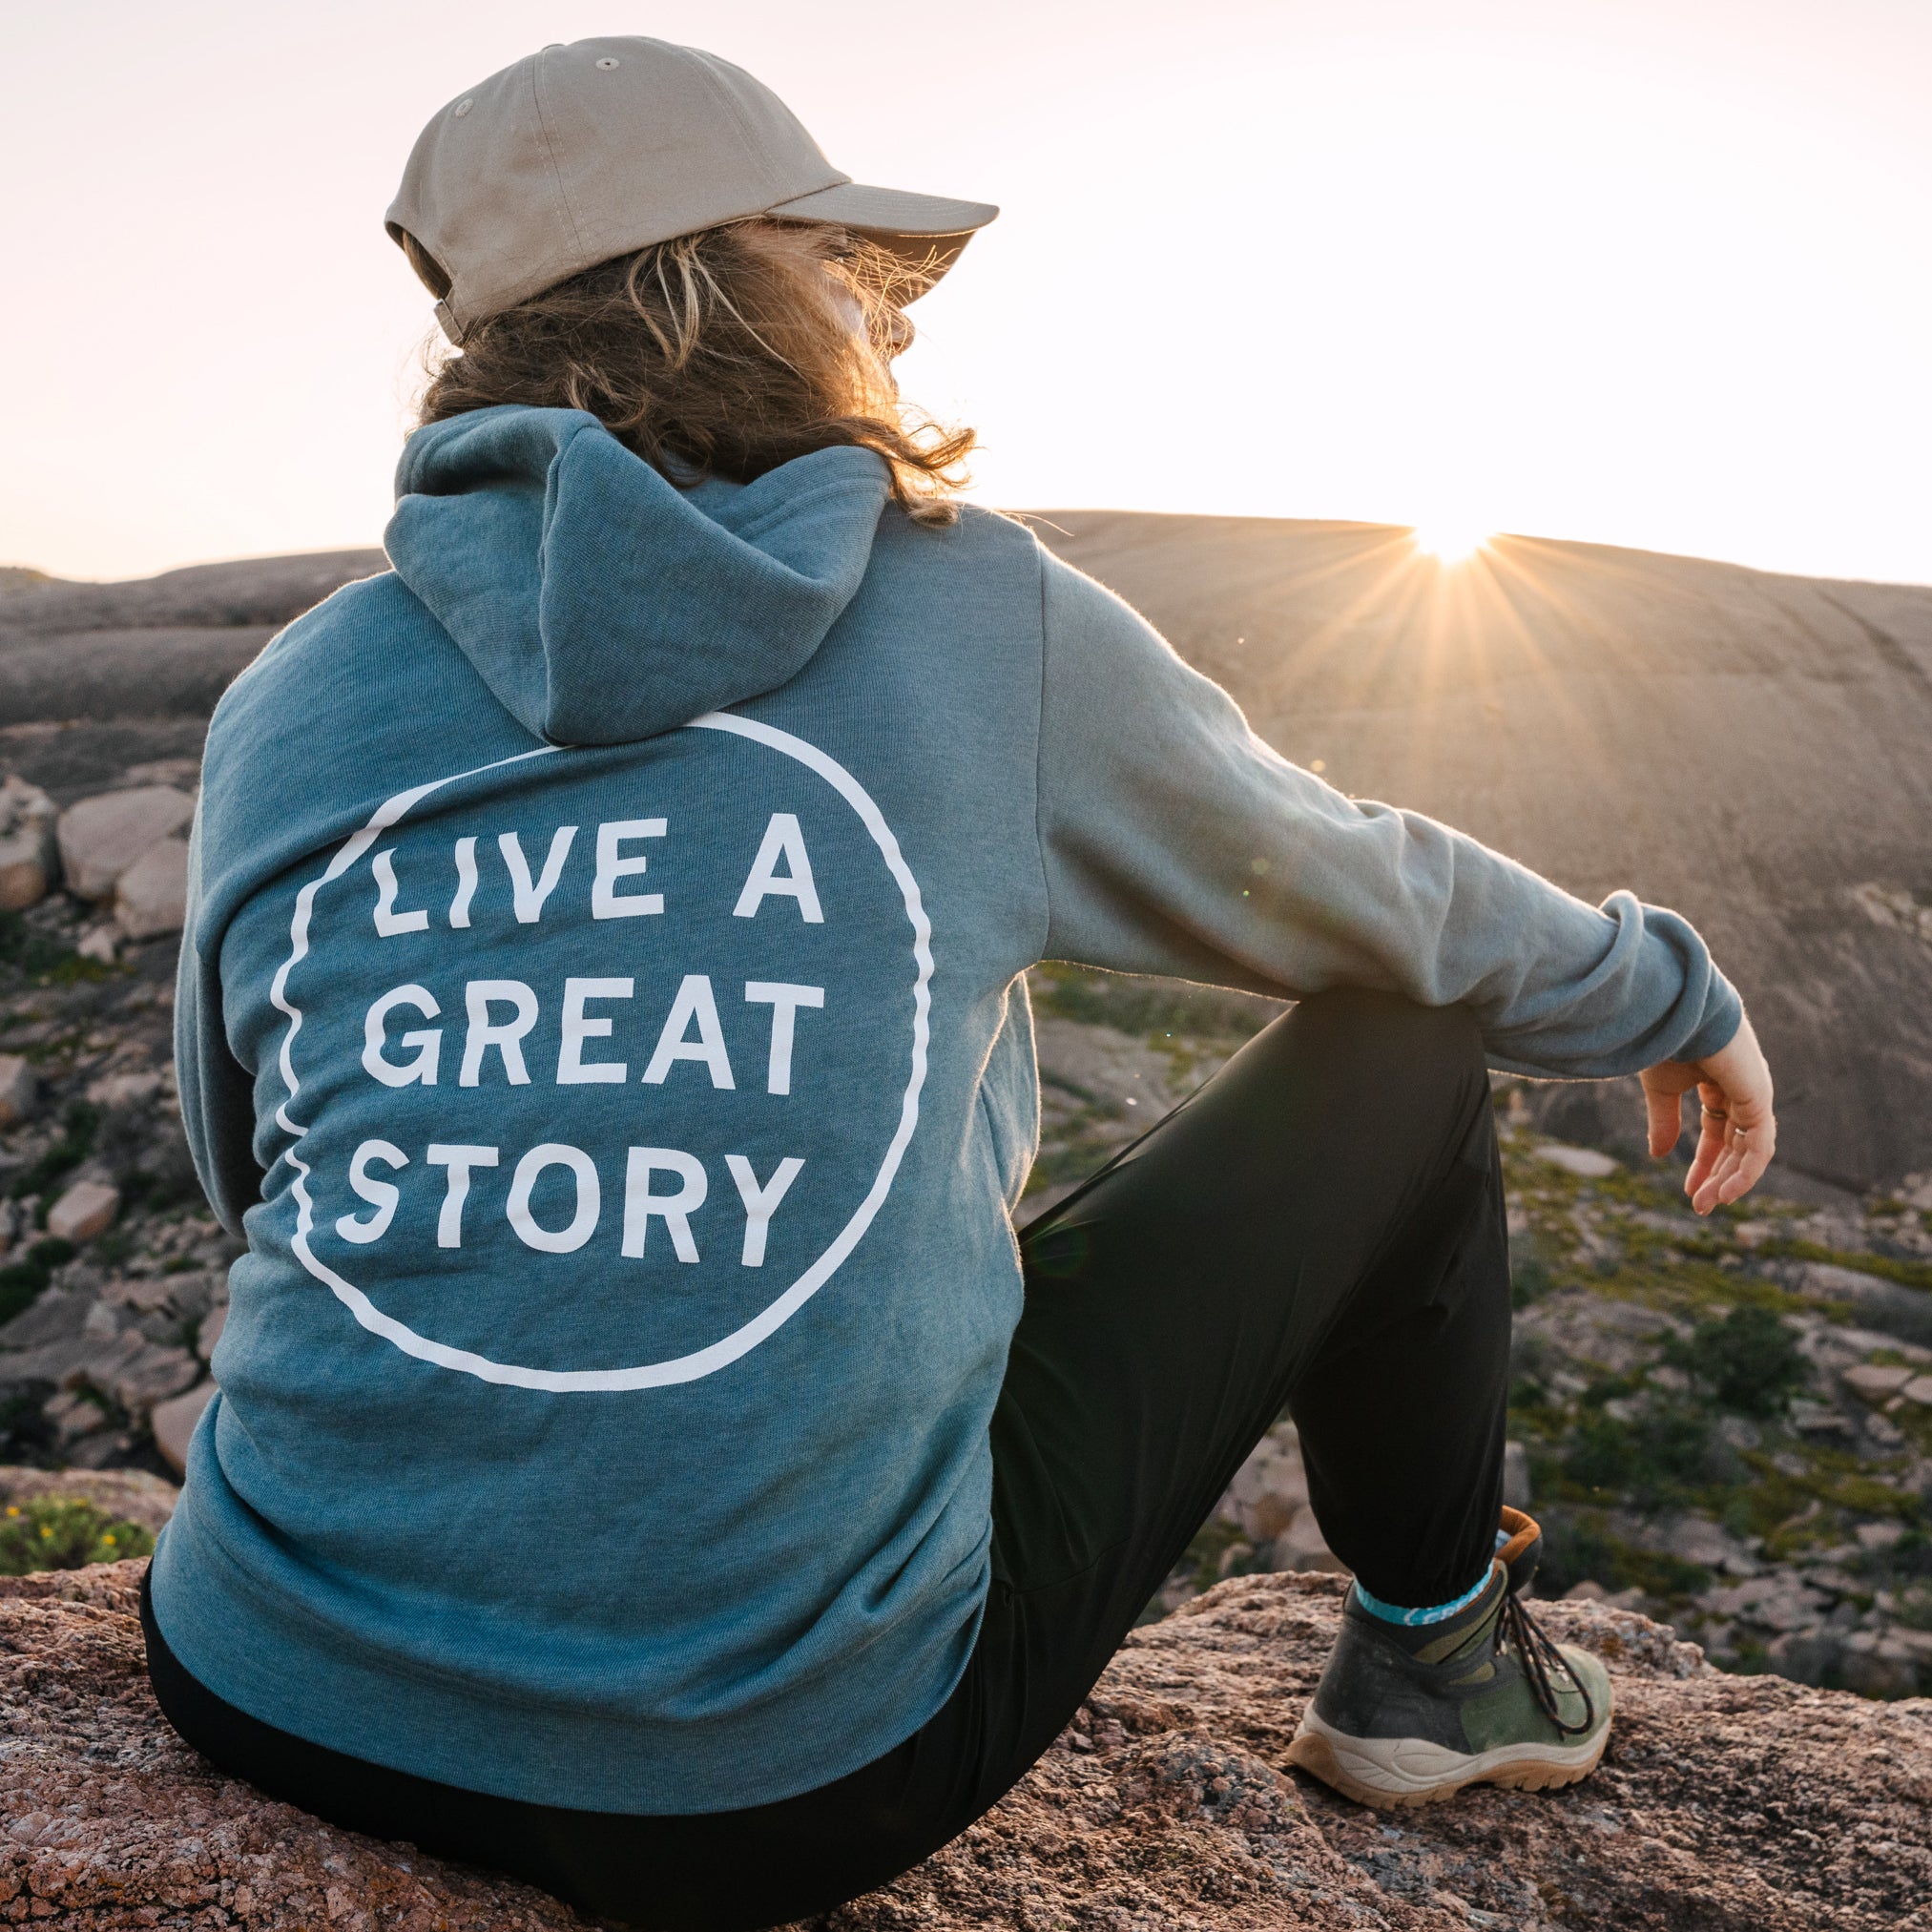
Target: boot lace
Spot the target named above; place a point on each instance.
(1540, 1659)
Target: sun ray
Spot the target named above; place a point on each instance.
(1451, 542)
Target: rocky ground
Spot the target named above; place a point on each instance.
(1725, 1804)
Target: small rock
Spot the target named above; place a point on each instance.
(172, 1423)
(151, 897)
(1874, 1379)
(100, 942)
(1301, 1546)
(1880, 1666)
(84, 1211)
(101, 836)
(1820, 1419)
(144, 1293)
(1878, 1535)
(1269, 1487)
(71, 1414)
(1585, 1162)
(1516, 1475)
(1806, 1656)
(1697, 1539)
(1779, 1601)
(212, 1325)
(29, 857)
(19, 1089)
(153, 1375)
(128, 1088)
(1919, 1390)
(184, 773)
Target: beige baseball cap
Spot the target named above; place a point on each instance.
(585, 152)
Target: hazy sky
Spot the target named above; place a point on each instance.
(1651, 274)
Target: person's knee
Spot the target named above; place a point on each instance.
(1385, 1039)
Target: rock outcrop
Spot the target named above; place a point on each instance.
(153, 647)
(1725, 1802)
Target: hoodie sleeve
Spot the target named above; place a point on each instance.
(217, 1096)
(1175, 842)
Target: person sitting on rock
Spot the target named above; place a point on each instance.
(647, 1461)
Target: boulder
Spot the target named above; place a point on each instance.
(1269, 1487)
(1301, 1546)
(172, 1423)
(154, 1373)
(1730, 1804)
(100, 942)
(1875, 1381)
(87, 1209)
(19, 1089)
(101, 836)
(1880, 1666)
(151, 897)
(30, 860)
(133, 1495)
(1585, 1162)
(1807, 1656)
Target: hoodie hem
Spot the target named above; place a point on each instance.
(270, 1658)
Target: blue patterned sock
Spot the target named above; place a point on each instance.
(1435, 1613)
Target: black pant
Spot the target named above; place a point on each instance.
(1322, 1224)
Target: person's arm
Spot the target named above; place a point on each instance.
(1174, 841)
(217, 1096)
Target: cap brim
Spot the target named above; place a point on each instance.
(925, 232)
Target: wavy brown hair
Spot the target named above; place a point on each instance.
(724, 353)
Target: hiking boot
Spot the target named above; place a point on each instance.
(1408, 1714)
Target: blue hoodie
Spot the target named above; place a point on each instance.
(601, 1010)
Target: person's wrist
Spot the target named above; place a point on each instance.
(1723, 1021)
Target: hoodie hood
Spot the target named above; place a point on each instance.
(600, 603)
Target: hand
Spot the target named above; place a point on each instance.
(1738, 1130)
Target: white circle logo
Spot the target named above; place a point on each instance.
(748, 1334)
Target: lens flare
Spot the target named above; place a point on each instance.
(1451, 543)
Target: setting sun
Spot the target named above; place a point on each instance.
(1451, 543)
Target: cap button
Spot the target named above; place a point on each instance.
(464, 106)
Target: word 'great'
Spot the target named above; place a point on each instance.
(695, 1007)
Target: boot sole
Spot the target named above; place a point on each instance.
(1409, 1771)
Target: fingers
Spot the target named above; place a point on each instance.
(1665, 1085)
(1666, 1119)
(1740, 1136)
(1737, 1128)
(1702, 1180)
